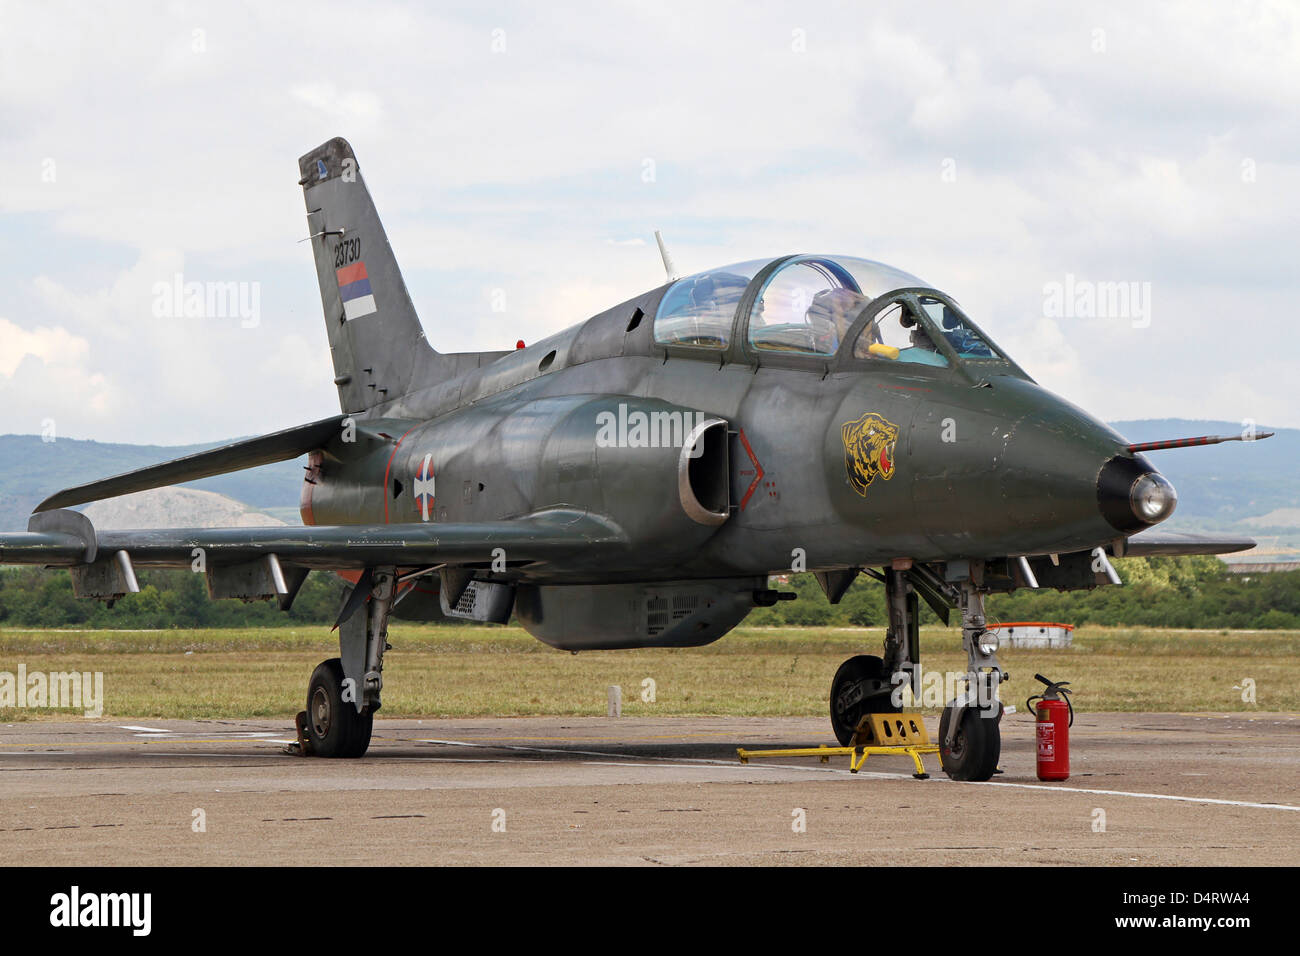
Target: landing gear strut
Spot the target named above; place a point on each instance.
(969, 738)
(343, 693)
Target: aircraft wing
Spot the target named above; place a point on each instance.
(67, 539)
(263, 450)
(1166, 543)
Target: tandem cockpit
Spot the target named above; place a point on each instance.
(819, 312)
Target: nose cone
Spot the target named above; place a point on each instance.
(1132, 495)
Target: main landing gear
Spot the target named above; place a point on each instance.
(333, 726)
(970, 741)
(860, 687)
(343, 693)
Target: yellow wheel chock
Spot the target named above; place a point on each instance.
(879, 734)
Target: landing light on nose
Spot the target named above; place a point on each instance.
(1132, 495)
(1153, 498)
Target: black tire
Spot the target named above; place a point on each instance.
(334, 728)
(876, 695)
(977, 747)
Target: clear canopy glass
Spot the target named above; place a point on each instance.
(965, 341)
(895, 335)
(699, 309)
(807, 305)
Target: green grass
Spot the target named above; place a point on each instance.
(467, 671)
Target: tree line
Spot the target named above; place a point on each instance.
(1183, 592)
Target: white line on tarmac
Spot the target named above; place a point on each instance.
(233, 755)
(685, 762)
(157, 733)
(1146, 796)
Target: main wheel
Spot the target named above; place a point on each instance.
(976, 747)
(860, 687)
(334, 728)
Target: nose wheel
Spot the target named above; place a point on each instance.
(976, 745)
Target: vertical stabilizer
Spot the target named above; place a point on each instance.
(375, 337)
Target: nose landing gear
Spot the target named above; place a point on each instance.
(970, 741)
(970, 735)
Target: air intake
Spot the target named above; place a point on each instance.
(703, 473)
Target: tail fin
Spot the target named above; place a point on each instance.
(375, 336)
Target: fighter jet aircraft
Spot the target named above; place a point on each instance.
(635, 480)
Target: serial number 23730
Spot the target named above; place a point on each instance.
(347, 251)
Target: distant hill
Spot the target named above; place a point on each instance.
(175, 508)
(1249, 488)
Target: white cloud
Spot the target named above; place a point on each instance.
(513, 170)
(52, 346)
(357, 110)
(44, 377)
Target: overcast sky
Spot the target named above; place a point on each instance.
(534, 151)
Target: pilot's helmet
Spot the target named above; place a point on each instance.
(837, 308)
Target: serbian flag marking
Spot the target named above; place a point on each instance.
(354, 290)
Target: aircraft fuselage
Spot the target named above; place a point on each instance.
(951, 469)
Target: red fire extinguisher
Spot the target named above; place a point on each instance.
(1053, 718)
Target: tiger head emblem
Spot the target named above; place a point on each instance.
(869, 445)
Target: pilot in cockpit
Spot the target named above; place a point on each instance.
(921, 350)
(831, 313)
(918, 337)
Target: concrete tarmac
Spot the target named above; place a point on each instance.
(1146, 789)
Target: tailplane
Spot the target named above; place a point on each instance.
(378, 345)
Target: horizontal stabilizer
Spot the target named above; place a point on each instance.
(264, 450)
(1168, 543)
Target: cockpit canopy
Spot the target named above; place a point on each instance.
(814, 306)
(699, 309)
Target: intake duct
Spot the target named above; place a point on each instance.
(703, 474)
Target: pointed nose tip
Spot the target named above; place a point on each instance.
(1132, 495)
